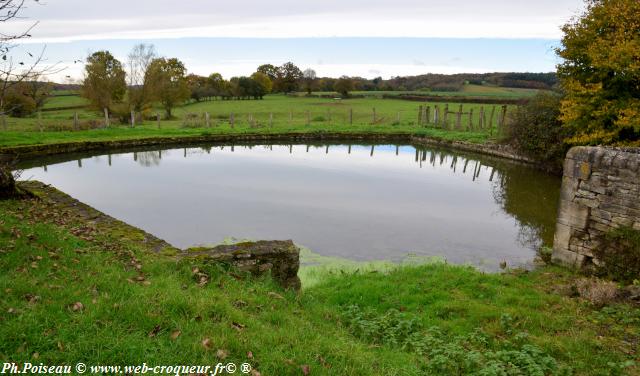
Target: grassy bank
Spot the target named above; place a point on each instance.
(274, 114)
(79, 292)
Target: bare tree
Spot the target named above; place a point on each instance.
(138, 61)
(17, 67)
(309, 76)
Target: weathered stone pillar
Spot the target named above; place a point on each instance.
(600, 191)
(280, 258)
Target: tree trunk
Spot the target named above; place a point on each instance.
(7, 184)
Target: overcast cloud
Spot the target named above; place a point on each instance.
(68, 20)
(399, 37)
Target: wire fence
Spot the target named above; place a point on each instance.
(459, 117)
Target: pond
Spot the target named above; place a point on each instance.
(359, 202)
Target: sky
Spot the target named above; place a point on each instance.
(354, 37)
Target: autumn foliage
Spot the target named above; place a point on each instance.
(600, 73)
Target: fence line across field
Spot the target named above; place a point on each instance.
(490, 118)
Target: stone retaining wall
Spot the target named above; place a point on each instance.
(600, 191)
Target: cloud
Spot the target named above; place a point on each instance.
(75, 20)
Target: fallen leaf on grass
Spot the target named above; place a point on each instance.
(222, 354)
(305, 369)
(175, 334)
(275, 295)
(76, 307)
(206, 343)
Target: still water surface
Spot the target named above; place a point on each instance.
(358, 202)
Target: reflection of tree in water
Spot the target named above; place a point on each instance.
(531, 197)
(149, 158)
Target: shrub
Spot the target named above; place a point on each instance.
(536, 131)
(619, 255)
(19, 105)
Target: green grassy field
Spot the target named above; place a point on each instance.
(73, 292)
(64, 99)
(274, 114)
(468, 90)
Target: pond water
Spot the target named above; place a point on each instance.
(359, 202)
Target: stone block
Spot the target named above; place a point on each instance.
(280, 257)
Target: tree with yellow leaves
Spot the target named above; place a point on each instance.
(600, 73)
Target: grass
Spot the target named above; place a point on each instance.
(289, 115)
(137, 307)
(65, 99)
(469, 90)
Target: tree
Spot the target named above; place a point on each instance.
(309, 80)
(264, 82)
(138, 62)
(343, 86)
(17, 67)
(19, 103)
(216, 84)
(167, 84)
(600, 73)
(270, 70)
(104, 82)
(289, 76)
(38, 90)
(198, 87)
(536, 131)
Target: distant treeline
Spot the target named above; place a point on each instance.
(455, 82)
(426, 82)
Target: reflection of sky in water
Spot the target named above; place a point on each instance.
(354, 205)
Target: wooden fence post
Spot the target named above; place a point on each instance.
(40, 121)
(426, 115)
(493, 111)
(503, 117)
(158, 119)
(75, 121)
(270, 119)
(207, 120)
(373, 116)
(133, 119)
(351, 116)
(471, 119)
(445, 119)
(436, 114)
(420, 115)
(106, 117)
(459, 120)
(231, 120)
(398, 118)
